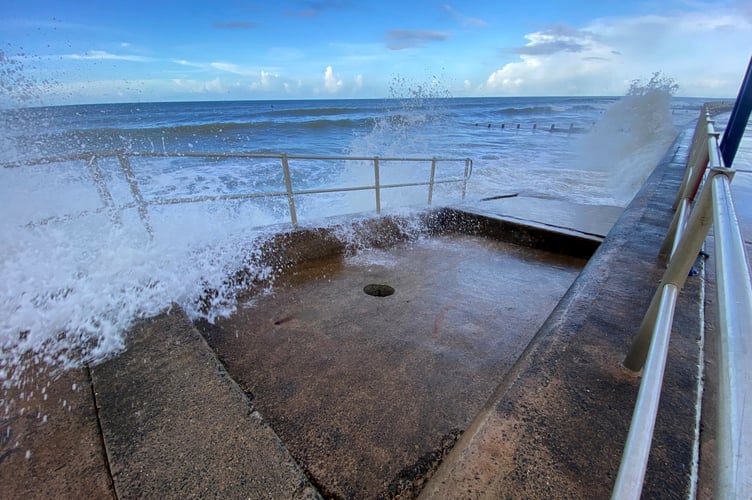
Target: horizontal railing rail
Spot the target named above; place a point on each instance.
(141, 203)
(687, 233)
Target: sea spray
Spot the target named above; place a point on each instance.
(74, 279)
(630, 139)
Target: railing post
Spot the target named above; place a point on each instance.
(468, 173)
(430, 182)
(732, 136)
(104, 193)
(376, 185)
(130, 177)
(288, 189)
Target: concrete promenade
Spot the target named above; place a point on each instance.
(171, 418)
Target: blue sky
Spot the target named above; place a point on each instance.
(81, 51)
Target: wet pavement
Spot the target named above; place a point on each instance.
(367, 394)
(556, 426)
(557, 215)
(367, 391)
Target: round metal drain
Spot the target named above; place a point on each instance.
(377, 290)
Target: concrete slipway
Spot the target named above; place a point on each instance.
(492, 371)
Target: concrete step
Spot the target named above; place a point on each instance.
(175, 425)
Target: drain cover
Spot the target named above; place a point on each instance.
(378, 290)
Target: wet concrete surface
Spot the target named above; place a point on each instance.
(50, 444)
(175, 425)
(171, 422)
(559, 215)
(556, 426)
(369, 392)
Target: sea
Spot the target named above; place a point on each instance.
(87, 251)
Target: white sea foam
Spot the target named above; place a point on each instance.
(70, 287)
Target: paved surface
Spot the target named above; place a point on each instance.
(168, 421)
(557, 215)
(176, 426)
(368, 392)
(50, 444)
(557, 424)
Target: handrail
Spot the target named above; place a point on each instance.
(734, 425)
(683, 242)
(142, 203)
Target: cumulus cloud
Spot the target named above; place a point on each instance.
(405, 39)
(604, 56)
(267, 81)
(208, 86)
(558, 38)
(464, 20)
(332, 83)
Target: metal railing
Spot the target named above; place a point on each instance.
(141, 203)
(687, 233)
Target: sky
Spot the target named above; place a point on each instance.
(92, 51)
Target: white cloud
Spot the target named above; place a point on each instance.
(359, 81)
(705, 55)
(235, 69)
(332, 83)
(199, 86)
(104, 55)
(267, 81)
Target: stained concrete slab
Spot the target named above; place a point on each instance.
(370, 392)
(559, 215)
(175, 425)
(556, 426)
(50, 445)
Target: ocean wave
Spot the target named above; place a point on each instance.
(316, 112)
(528, 110)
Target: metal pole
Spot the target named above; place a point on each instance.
(130, 177)
(377, 188)
(288, 189)
(732, 136)
(677, 228)
(734, 426)
(104, 193)
(430, 182)
(637, 448)
(699, 166)
(676, 274)
(698, 139)
(468, 173)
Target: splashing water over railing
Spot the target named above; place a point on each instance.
(142, 203)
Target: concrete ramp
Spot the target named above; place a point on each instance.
(585, 221)
(176, 426)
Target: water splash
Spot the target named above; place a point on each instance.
(70, 289)
(631, 138)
